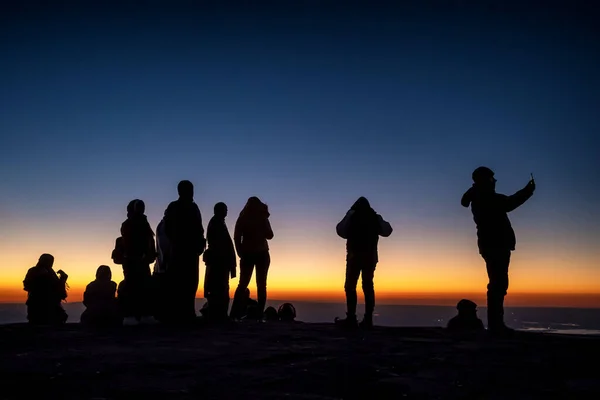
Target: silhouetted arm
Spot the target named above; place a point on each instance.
(27, 281)
(385, 229)
(237, 237)
(200, 227)
(465, 201)
(269, 231)
(86, 297)
(342, 227)
(509, 203)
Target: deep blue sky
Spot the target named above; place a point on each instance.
(306, 107)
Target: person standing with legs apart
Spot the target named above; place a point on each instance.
(361, 227)
(252, 230)
(495, 236)
(220, 262)
(184, 231)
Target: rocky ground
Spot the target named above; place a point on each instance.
(292, 361)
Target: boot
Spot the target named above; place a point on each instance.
(367, 322)
(349, 322)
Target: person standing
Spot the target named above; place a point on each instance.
(495, 236)
(139, 252)
(185, 233)
(220, 262)
(361, 227)
(251, 233)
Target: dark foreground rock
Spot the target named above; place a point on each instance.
(296, 361)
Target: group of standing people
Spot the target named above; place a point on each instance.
(180, 241)
(169, 294)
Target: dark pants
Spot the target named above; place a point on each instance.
(183, 277)
(360, 266)
(261, 261)
(496, 262)
(137, 283)
(216, 290)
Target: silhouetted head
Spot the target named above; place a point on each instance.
(103, 273)
(255, 208)
(466, 307)
(136, 207)
(185, 189)
(484, 177)
(247, 293)
(271, 314)
(286, 312)
(46, 261)
(362, 204)
(221, 210)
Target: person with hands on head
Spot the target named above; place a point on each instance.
(495, 236)
(361, 227)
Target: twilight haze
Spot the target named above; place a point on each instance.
(307, 108)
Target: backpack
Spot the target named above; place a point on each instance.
(118, 253)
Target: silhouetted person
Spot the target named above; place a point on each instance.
(46, 290)
(183, 228)
(271, 314)
(252, 230)
(100, 301)
(495, 236)
(220, 262)
(286, 312)
(139, 252)
(160, 283)
(361, 227)
(467, 319)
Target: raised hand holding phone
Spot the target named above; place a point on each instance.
(531, 182)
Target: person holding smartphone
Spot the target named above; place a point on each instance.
(495, 236)
(46, 290)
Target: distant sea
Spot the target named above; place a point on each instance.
(580, 321)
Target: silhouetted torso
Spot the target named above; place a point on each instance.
(138, 239)
(45, 292)
(183, 226)
(253, 231)
(494, 230)
(363, 232)
(99, 295)
(220, 244)
(465, 322)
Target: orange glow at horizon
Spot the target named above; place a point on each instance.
(312, 268)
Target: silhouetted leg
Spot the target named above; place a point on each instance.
(263, 262)
(368, 273)
(192, 286)
(497, 263)
(352, 275)
(246, 269)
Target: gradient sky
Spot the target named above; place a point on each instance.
(308, 108)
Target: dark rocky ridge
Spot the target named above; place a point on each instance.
(292, 361)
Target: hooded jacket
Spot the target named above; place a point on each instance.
(253, 229)
(361, 227)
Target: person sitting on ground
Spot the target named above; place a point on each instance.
(286, 312)
(100, 301)
(46, 290)
(467, 319)
(271, 314)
